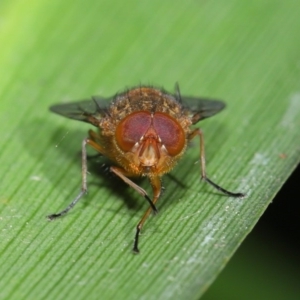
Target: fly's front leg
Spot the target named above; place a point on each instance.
(157, 188)
(198, 132)
(87, 141)
(123, 175)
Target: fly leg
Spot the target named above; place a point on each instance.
(123, 175)
(203, 165)
(157, 188)
(95, 137)
(87, 141)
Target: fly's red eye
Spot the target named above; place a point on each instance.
(170, 133)
(131, 129)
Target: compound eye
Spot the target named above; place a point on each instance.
(170, 132)
(130, 130)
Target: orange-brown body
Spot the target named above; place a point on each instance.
(159, 144)
(144, 131)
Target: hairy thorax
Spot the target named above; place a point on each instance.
(145, 131)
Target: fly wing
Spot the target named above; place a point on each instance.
(201, 108)
(90, 111)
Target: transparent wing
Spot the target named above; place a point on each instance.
(201, 108)
(90, 111)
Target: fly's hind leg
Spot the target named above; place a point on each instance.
(95, 137)
(87, 141)
(198, 132)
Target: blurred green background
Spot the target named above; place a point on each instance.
(266, 266)
(247, 53)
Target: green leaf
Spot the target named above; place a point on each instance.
(246, 53)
